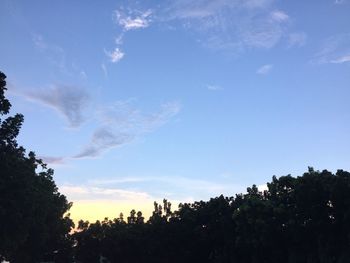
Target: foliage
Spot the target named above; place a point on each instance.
(32, 222)
(297, 220)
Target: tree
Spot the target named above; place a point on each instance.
(33, 225)
(302, 219)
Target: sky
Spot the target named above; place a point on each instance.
(135, 101)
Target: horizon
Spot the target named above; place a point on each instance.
(132, 102)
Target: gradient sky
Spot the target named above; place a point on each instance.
(133, 101)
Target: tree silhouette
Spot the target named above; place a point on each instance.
(32, 222)
(301, 219)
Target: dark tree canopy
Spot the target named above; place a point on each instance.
(33, 225)
(297, 220)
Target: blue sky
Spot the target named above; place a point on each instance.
(133, 101)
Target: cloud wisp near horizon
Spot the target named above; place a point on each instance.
(135, 188)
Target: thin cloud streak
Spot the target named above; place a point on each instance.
(102, 140)
(52, 160)
(341, 60)
(265, 69)
(335, 50)
(339, 2)
(214, 87)
(96, 193)
(121, 124)
(175, 183)
(104, 69)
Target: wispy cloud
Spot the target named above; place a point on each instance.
(173, 184)
(341, 60)
(104, 69)
(207, 8)
(297, 39)
(335, 49)
(54, 53)
(175, 181)
(119, 39)
(279, 16)
(86, 192)
(214, 87)
(116, 125)
(130, 19)
(124, 116)
(265, 69)
(102, 140)
(39, 42)
(133, 19)
(69, 101)
(339, 2)
(121, 123)
(83, 74)
(57, 57)
(231, 24)
(116, 55)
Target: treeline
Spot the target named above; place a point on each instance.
(297, 220)
(303, 219)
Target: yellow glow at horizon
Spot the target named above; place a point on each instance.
(92, 210)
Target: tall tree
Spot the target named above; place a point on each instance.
(33, 225)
